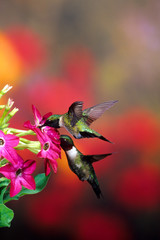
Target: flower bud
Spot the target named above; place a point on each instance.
(5, 90)
(9, 104)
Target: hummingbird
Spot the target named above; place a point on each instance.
(78, 121)
(81, 164)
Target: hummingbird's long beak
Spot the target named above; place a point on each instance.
(52, 123)
(42, 125)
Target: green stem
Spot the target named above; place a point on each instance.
(33, 146)
(24, 133)
(8, 106)
(25, 146)
(3, 115)
(31, 143)
(9, 116)
(24, 140)
(2, 106)
(19, 132)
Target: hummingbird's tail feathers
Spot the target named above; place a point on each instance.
(96, 188)
(95, 158)
(104, 139)
(87, 135)
(93, 135)
(75, 112)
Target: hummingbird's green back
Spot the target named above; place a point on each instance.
(54, 117)
(80, 126)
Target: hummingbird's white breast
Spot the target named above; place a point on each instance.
(61, 124)
(72, 153)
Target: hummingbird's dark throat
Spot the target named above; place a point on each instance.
(66, 145)
(46, 146)
(1, 141)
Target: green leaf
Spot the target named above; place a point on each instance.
(6, 216)
(3, 162)
(41, 181)
(4, 182)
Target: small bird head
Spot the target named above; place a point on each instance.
(53, 121)
(66, 142)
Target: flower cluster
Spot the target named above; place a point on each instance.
(12, 166)
(19, 174)
(49, 139)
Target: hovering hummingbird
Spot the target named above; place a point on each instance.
(81, 164)
(78, 121)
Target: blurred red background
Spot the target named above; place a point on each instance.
(58, 52)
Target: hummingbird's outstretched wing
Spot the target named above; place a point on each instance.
(95, 158)
(93, 113)
(75, 112)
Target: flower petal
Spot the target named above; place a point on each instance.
(10, 154)
(16, 186)
(41, 137)
(47, 167)
(52, 133)
(19, 163)
(47, 115)
(54, 154)
(8, 171)
(29, 166)
(54, 165)
(55, 148)
(37, 116)
(11, 140)
(28, 181)
(2, 134)
(50, 154)
(28, 124)
(40, 154)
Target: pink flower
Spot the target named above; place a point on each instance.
(39, 120)
(50, 152)
(7, 142)
(20, 174)
(48, 137)
(52, 133)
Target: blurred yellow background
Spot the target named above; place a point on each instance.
(55, 52)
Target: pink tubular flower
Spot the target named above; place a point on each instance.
(48, 137)
(20, 174)
(50, 151)
(39, 120)
(7, 142)
(52, 133)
